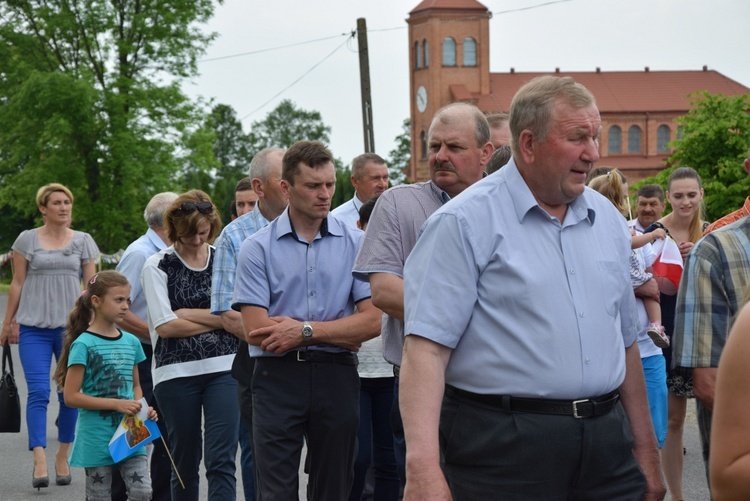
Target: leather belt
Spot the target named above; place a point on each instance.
(317, 357)
(587, 407)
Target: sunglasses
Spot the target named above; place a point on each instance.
(202, 207)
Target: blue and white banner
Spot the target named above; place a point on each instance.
(133, 433)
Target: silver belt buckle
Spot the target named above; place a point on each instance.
(575, 407)
(299, 356)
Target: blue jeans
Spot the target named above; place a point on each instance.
(655, 373)
(36, 347)
(375, 440)
(183, 402)
(246, 463)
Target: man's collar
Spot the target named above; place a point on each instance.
(330, 226)
(156, 239)
(523, 199)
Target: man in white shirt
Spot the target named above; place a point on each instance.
(370, 179)
(649, 207)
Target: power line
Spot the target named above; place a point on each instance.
(353, 33)
(349, 35)
(219, 58)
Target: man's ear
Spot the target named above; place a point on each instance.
(486, 153)
(526, 141)
(257, 185)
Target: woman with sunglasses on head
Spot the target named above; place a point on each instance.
(48, 263)
(192, 353)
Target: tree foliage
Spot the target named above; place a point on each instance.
(400, 156)
(287, 124)
(90, 98)
(715, 141)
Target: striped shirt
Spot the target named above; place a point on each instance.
(711, 291)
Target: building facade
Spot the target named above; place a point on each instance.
(449, 44)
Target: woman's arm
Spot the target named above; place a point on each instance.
(88, 271)
(14, 297)
(74, 397)
(200, 316)
(729, 464)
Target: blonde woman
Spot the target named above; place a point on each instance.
(48, 264)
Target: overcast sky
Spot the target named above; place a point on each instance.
(575, 35)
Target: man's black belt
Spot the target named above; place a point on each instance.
(587, 407)
(318, 357)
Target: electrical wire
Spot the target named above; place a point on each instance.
(300, 77)
(269, 49)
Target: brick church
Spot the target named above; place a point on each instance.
(449, 45)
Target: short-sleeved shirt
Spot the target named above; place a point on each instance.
(131, 265)
(225, 260)
(711, 293)
(169, 285)
(530, 306)
(279, 271)
(391, 235)
(348, 212)
(53, 278)
(108, 364)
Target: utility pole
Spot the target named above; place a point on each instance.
(364, 77)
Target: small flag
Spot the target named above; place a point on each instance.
(668, 266)
(133, 433)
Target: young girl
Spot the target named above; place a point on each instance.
(611, 186)
(98, 370)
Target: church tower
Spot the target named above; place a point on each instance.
(449, 59)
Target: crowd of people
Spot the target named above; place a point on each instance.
(499, 331)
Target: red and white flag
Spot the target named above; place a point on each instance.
(668, 265)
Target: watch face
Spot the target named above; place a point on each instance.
(421, 99)
(307, 331)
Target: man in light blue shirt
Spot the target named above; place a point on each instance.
(305, 315)
(265, 175)
(135, 322)
(520, 322)
(370, 179)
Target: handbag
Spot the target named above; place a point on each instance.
(10, 404)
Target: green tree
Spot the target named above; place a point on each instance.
(287, 124)
(91, 98)
(715, 140)
(400, 156)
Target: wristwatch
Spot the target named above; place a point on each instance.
(307, 331)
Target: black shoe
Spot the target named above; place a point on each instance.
(63, 479)
(39, 482)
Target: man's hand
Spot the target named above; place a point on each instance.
(284, 335)
(651, 466)
(649, 289)
(704, 385)
(427, 486)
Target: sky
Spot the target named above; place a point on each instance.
(263, 48)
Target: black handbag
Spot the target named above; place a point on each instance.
(10, 404)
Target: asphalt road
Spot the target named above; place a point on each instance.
(16, 461)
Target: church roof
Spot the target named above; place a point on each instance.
(461, 5)
(615, 91)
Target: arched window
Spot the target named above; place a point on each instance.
(634, 139)
(663, 136)
(449, 52)
(614, 140)
(417, 56)
(423, 142)
(426, 50)
(470, 52)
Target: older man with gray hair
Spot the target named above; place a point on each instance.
(131, 265)
(530, 385)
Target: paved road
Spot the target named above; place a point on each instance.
(16, 461)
